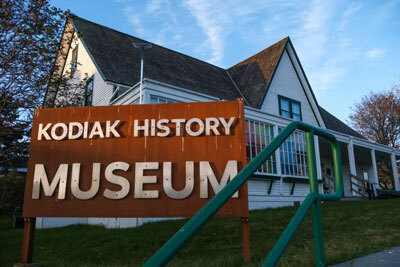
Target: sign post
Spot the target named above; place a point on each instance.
(161, 160)
(245, 239)
(27, 241)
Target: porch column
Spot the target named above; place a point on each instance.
(318, 157)
(395, 172)
(318, 162)
(352, 161)
(145, 95)
(375, 170)
(278, 162)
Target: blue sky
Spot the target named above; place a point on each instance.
(347, 48)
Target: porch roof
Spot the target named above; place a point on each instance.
(333, 123)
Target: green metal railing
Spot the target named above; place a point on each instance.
(312, 201)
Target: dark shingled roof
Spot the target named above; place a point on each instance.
(254, 74)
(119, 62)
(333, 123)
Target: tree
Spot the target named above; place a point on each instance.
(71, 91)
(13, 140)
(377, 117)
(30, 34)
(29, 40)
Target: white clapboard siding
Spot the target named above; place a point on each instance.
(286, 83)
(102, 91)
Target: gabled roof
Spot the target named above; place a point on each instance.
(118, 61)
(254, 74)
(333, 123)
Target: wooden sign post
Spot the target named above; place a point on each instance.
(161, 160)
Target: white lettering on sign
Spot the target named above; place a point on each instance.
(118, 180)
(40, 180)
(75, 130)
(207, 174)
(75, 176)
(167, 181)
(141, 179)
(192, 127)
(147, 127)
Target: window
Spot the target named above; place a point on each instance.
(258, 136)
(118, 90)
(74, 59)
(89, 91)
(365, 175)
(289, 108)
(293, 154)
(160, 100)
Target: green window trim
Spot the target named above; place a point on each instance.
(290, 110)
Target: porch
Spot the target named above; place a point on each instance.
(368, 168)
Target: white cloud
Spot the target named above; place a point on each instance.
(323, 78)
(177, 37)
(313, 32)
(211, 25)
(157, 22)
(218, 19)
(135, 20)
(272, 23)
(351, 10)
(375, 53)
(155, 5)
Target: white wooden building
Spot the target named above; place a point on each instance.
(276, 92)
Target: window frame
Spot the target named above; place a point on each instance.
(291, 101)
(167, 100)
(258, 135)
(74, 60)
(90, 80)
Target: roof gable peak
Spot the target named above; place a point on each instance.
(254, 74)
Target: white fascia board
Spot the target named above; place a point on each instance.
(127, 96)
(177, 91)
(164, 90)
(256, 114)
(305, 84)
(89, 52)
(364, 143)
(117, 84)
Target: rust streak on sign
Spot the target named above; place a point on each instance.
(135, 160)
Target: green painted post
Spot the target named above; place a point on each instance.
(316, 209)
(290, 230)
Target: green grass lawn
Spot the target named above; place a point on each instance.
(351, 229)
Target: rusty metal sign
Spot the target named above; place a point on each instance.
(158, 160)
